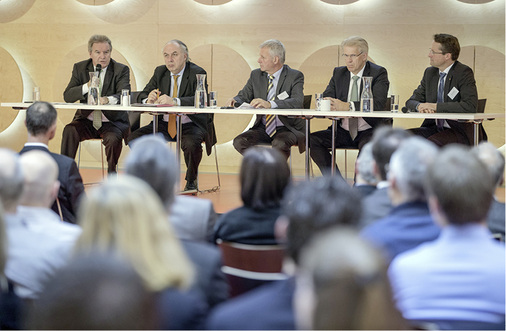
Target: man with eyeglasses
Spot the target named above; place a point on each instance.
(343, 91)
(447, 86)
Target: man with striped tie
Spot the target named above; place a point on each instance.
(273, 85)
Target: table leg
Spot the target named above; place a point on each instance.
(178, 139)
(476, 132)
(307, 158)
(155, 123)
(333, 152)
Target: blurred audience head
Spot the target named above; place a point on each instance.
(41, 183)
(124, 216)
(151, 160)
(264, 177)
(459, 187)
(385, 141)
(493, 160)
(407, 170)
(316, 206)
(94, 292)
(41, 119)
(365, 166)
(11, 180)
(342, 284)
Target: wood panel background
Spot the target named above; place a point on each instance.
(41, 39)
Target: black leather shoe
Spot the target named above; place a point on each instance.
(191, 185)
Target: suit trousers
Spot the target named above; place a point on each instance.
(321, 145)
(82, 129)
(282, 140)
(440, 138)
(191, 143)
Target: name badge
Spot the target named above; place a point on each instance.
(453, 93)
(283, 96)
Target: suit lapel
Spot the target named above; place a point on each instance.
(166, 82)
(184, 80)
(108, 79)
(448, 82)
(281, 80)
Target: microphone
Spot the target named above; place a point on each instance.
(409, 110)
(99, 69)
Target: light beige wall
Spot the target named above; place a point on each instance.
(41, 39)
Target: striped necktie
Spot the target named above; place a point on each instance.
(270, 123)
(440, 98)
(97, 114)
(171, 125)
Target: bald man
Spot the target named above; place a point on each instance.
(38, 242)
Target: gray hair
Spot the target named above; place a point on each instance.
(492, 158)
(408, 165)
(356, 41)
(11, 178)
(365, 164)
(98, 38)
(181, 45)
(276, 48)
(152, 161)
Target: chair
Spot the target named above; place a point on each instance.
(306, 105)
(101, 154)
(390, 122)
(249, 266)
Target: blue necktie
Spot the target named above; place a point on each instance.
(440, 98)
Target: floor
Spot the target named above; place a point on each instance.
(224, 198)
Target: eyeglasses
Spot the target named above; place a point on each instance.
(431, 52)
(351, 56)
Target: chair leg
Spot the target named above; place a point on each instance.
(345, 164)
(102, 156)
(79, 156)
(217, 167)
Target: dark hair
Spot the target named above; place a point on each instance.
(449, 44)
(40, 116)
(462, 185)
(384, 143)
(314, 206)
(264, 176)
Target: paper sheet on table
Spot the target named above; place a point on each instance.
(245, 105)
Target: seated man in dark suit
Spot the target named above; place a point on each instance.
(110, 125)
(175, 84)
(494, 161)
(273, 85)
(344, 91)
(447, 86)
(41, 126)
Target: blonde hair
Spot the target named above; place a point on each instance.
(124, 216)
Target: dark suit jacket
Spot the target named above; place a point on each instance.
(496, 217)
(291, 81)
(210, 280)
(71, 184)
(116, 78)
(460, 77)
(339, 86)
(161, 80)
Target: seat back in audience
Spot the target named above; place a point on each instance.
(249, 266)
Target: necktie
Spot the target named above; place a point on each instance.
(270, 123)
(97, 114)
(172, 129)
(440, 98)
(353, 121)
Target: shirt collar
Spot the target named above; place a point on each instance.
(36, 145)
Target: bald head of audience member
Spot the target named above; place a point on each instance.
(151, 160)
(459, 187)
(41, 122)
(407, 169)
(315, 206)
(11, 180)
(95, 292)
(264, 176)
(384, 143)
(41, 183)
(493, 160)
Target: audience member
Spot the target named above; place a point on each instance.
(365, 178)
(175, 84)
(409, 223)
(494, 161)
(125, 216)
(110, 125)
(447, 86)
(264, 177)
(458, 280)
(308, 208)
(96, 292)
(273, 85)
(344, 91)
(38, 243)
(342, 284)
(152, 161)
(41, 126)
(10, 304)
(384, 143)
